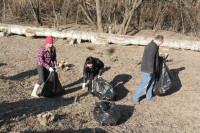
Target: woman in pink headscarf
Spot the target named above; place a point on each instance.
(46, 61)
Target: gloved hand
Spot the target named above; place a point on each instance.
(83, 86)
(56, 69)
(101, 71)
(98, 76)
(51, 69)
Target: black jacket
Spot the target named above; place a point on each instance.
(97, 68)
(150, 58)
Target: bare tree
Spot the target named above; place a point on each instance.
(35, 9)
(82, 4)
(64, 10)
(4, 11)
(99, 19)
(196, 5)
(130, 6)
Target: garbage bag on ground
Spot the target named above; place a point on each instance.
(52, 86)
(106, 113)
(164, 80)
(102, 89)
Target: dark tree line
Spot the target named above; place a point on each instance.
(123, 16)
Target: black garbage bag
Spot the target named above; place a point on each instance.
(102, 89)
(106, 113)
(164, 79)
(52, 86)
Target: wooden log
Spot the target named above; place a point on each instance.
(96, 38)
(2, 34)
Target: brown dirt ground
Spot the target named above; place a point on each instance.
(178, 111)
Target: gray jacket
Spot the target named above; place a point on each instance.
(150, 58)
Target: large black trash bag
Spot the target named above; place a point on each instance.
(52, 86)
(106, 113)
(164, 80)
(102, 89)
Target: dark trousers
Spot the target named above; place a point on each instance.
(43, 74)
(91, 77)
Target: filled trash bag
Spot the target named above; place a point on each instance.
(52, 86)
(164, 80)
(102, 89)
(106, 113)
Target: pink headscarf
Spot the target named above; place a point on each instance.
(49, 40)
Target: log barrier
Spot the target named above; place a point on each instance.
(94, 37)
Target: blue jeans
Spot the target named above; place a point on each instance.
(147, 82)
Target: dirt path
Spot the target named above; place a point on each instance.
(178, 111)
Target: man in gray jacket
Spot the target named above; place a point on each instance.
(149, 68)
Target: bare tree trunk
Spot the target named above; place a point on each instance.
(198, 11)
(77, 16)
(198, 18)
(10, 9)
(182, 20)
(35, 11)
(64, 10)
(157, 17)
(88, 17)
(99, 16)
(128, 16)
(121, 31)
(4, 11)
(188, 3)
(56, 19)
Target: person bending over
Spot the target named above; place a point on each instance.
(92, 67)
